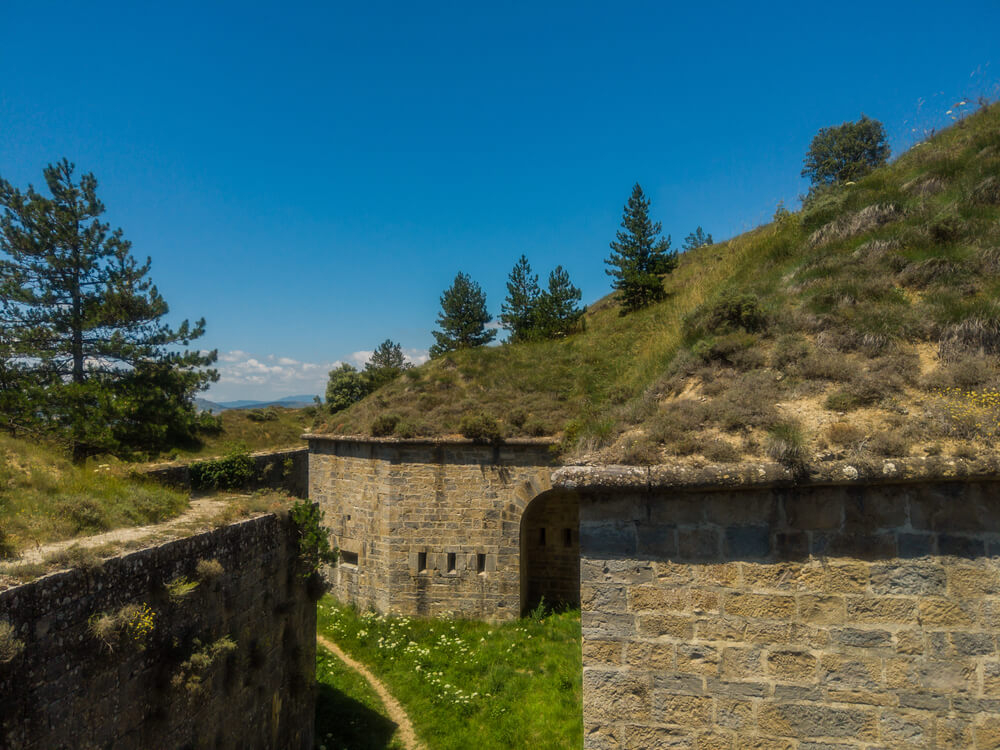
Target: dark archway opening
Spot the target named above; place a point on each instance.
(550, 551)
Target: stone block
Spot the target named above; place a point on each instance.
(672, 626)
(698, 543)
(613, 695)
(656, 542)
(917, 578)
(862, 638)
(967, 581)
(792, 665)
(683, 710)
(732, 713)
(597, 652)
(872, 609)
(607, 626)
(762, 606)
(697, 658)
(945, 613)
(747, 542)
(739, 663)
(679, 683)
(820, 609)
(961, 546)
(804, 721)
(915, 545)
(646, 655)
(729, 574)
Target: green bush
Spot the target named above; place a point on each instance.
(230, 472)
(480, 427)
(270, 414)
(312, 539)
(730, 312)
(384, 425)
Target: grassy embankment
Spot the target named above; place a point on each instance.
(464, 684)
(44, 497)
(255, 429)
(865, 325)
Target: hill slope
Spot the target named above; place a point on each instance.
(866, 324)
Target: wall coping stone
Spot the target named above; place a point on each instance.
(771, 474)
(368, 439)
(145, 468)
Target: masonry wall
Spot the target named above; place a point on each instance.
(428, 527)
(68, 688)
(286, 470)
(810, 618)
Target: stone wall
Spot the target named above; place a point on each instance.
(69, 688)
(286, 470)
(428, 527)
(728, 612)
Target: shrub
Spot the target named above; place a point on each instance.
(230, 472)
(405, 429)
(721, 451)
(889, 444)
(179, 588)
(785, 443)
(192, 672)
(312, 539)
(384, 425)
(845, 434)
(730, 312)
(480, 427)
(846, 152)
(209, 570)
(133, 623)
(270, 414)
(10, 645)
(736, 349)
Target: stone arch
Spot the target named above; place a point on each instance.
(550, 550)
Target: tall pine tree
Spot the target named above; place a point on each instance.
(519, 309)
(86, 354)
(639, 256)
(463, 318)
(558, 311)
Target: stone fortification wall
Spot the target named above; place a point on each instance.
(755, 609)
(281, 469)
(428, 527)
(228, 663)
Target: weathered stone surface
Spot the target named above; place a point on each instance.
(68, 689)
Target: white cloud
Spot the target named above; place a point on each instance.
(263, 377)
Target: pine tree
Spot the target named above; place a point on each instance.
(558, 311)
(386, 364)
(86, 354)
(639, 257)
(463, 318)
(696, 239)
(520, 308)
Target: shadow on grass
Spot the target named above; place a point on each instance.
(342, 722)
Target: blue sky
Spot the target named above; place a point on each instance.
(309, 177)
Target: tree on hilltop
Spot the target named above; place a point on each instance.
(639, 257)
(845, 152)
(86, 355)
(519, 309)
(558, 311)
(386, 364)
(696, 239)
(463, 318)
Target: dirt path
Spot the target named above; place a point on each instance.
(200, 510)
(392, 707)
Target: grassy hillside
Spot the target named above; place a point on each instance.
(45, 498)
(257, 429)
(867, 324)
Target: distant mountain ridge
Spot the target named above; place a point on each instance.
(289, 402)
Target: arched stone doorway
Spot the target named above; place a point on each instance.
(550, 550)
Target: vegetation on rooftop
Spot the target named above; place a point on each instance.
(865, 325)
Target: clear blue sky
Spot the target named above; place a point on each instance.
(310, 176)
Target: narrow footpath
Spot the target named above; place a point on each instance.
(392, 707)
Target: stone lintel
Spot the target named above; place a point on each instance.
(769, 474)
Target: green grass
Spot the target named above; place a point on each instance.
(44, 497)
(904, 262)
(470, 684)
(349, 715)
(239, 428)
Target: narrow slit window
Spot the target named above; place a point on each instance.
(541, 537)
(567, 537)
(349, 558)
(481, 563)
(421, 562)
(451, 562)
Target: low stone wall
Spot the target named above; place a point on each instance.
(282, 469)
(226, 664)
(428, 527)
(756, 609)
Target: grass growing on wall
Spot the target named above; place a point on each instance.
(469, 684)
